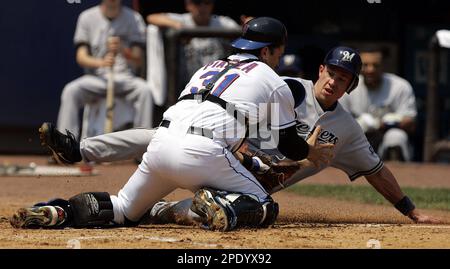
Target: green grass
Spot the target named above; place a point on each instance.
(432, 198)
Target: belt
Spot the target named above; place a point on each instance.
(192, 130)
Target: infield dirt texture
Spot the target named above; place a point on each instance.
(304, 222)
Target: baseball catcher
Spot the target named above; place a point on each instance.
(271, 168)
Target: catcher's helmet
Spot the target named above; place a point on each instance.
(260, 32)
(348, 59)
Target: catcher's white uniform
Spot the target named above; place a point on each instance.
(176, 158)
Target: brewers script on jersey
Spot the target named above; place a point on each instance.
(353, 153)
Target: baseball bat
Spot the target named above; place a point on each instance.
(109, 101)
(109, 121)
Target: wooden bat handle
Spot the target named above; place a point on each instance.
(109, 102)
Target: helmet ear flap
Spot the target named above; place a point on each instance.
(353, 84)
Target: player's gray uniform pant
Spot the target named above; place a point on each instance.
(90, 88)
(117, 146)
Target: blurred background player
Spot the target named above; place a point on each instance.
(290, 66)
(384, 105)
(107, 35)
(197, 51)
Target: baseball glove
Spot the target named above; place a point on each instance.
(270, 171)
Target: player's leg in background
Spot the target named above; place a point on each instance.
(117, 146)
(75, 95)
(395, 146)
(139, 93)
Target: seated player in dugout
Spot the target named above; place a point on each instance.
(109, 37)
(316, 104)
(384, 105)
(200, 131)
(197, 52)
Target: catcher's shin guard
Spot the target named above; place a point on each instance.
(224, 211)
(91, 209)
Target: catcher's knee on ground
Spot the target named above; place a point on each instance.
(224, 211)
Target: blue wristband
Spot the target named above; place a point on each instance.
(405, 205)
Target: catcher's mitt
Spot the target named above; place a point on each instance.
(270, 171)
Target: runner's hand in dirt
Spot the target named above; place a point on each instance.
(420, 218)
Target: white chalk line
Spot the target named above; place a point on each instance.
(430, 226)
(375, 225)
(141, 237)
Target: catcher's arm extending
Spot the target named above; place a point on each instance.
(268, 172)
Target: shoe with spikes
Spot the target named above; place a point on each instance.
(213, 210)
(64, 147)
(38, 216)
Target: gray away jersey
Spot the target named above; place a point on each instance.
(94, 29)
(352, 153)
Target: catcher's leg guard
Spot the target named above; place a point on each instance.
(91, 209)
(224, 211)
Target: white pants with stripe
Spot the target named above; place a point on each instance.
(176, 159)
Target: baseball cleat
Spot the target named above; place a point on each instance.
(211, 210)
(38, 216)
(64, 147)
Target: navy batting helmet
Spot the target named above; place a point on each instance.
(260, 32)
(348, 59)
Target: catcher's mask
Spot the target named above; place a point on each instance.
(348, 59)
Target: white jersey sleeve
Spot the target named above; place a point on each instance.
(224, 22)
(82, 29)
(282, 114)
(406, 101)
(137, 30)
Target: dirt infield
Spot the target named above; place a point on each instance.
(304, 222)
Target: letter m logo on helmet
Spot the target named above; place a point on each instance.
(347, 55)
(347, 59)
